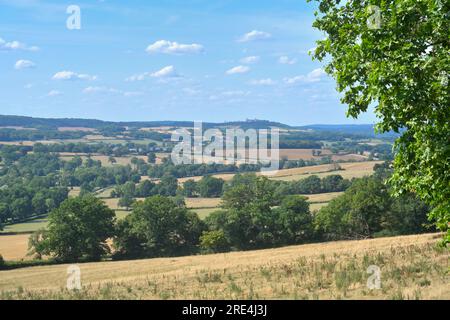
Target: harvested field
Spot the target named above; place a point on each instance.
(412, 267)
(14, 247)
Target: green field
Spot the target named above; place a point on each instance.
(29, 226)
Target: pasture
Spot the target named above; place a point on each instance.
(347, 170)
(412, 267)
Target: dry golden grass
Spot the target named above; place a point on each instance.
(301, 154)
(349, 170)
(199, 203)
(14, 247)
(412, 267)
(322, 197)
(349, 157)
(225, 177)
(112, 203)
(74, 192)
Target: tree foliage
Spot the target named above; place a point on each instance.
(367, 209)
(401, 68)
(77, 230)
(157, 227)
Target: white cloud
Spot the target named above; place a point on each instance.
(165, 73)
(138, 77)
(287, 60)
(108, 90)
(165, 46)
(24, 64)
(263, 82)
(314, 76)
(255, 35)
(238, 69)
(54, 93)
(250, 60)
(69, 75)
(16, 45)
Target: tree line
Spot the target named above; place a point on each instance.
(251, 217)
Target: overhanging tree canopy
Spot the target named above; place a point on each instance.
(394, 55)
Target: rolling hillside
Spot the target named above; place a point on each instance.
(412, 267)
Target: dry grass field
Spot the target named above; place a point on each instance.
(412, 267)
(74, 192)
(202, 203)
(15, 247)
(322, 197)
(349, 171)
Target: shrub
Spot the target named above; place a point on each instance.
(214, 241)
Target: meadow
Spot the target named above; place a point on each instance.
(412, 267)
(347, 171)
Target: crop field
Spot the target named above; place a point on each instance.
(201, 203)
(412, 267)
(322, 197)
(14, 247)
(348, 171)
(74, 191)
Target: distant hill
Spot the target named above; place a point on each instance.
(366, 130)
(354, 129)
(30, 122)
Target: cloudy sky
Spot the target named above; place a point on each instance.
(210, 60)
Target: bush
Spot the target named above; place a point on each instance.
(2, 261)
(214, 242)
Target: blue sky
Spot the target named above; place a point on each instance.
(209, 60)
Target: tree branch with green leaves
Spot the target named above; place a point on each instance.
(401, 68)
